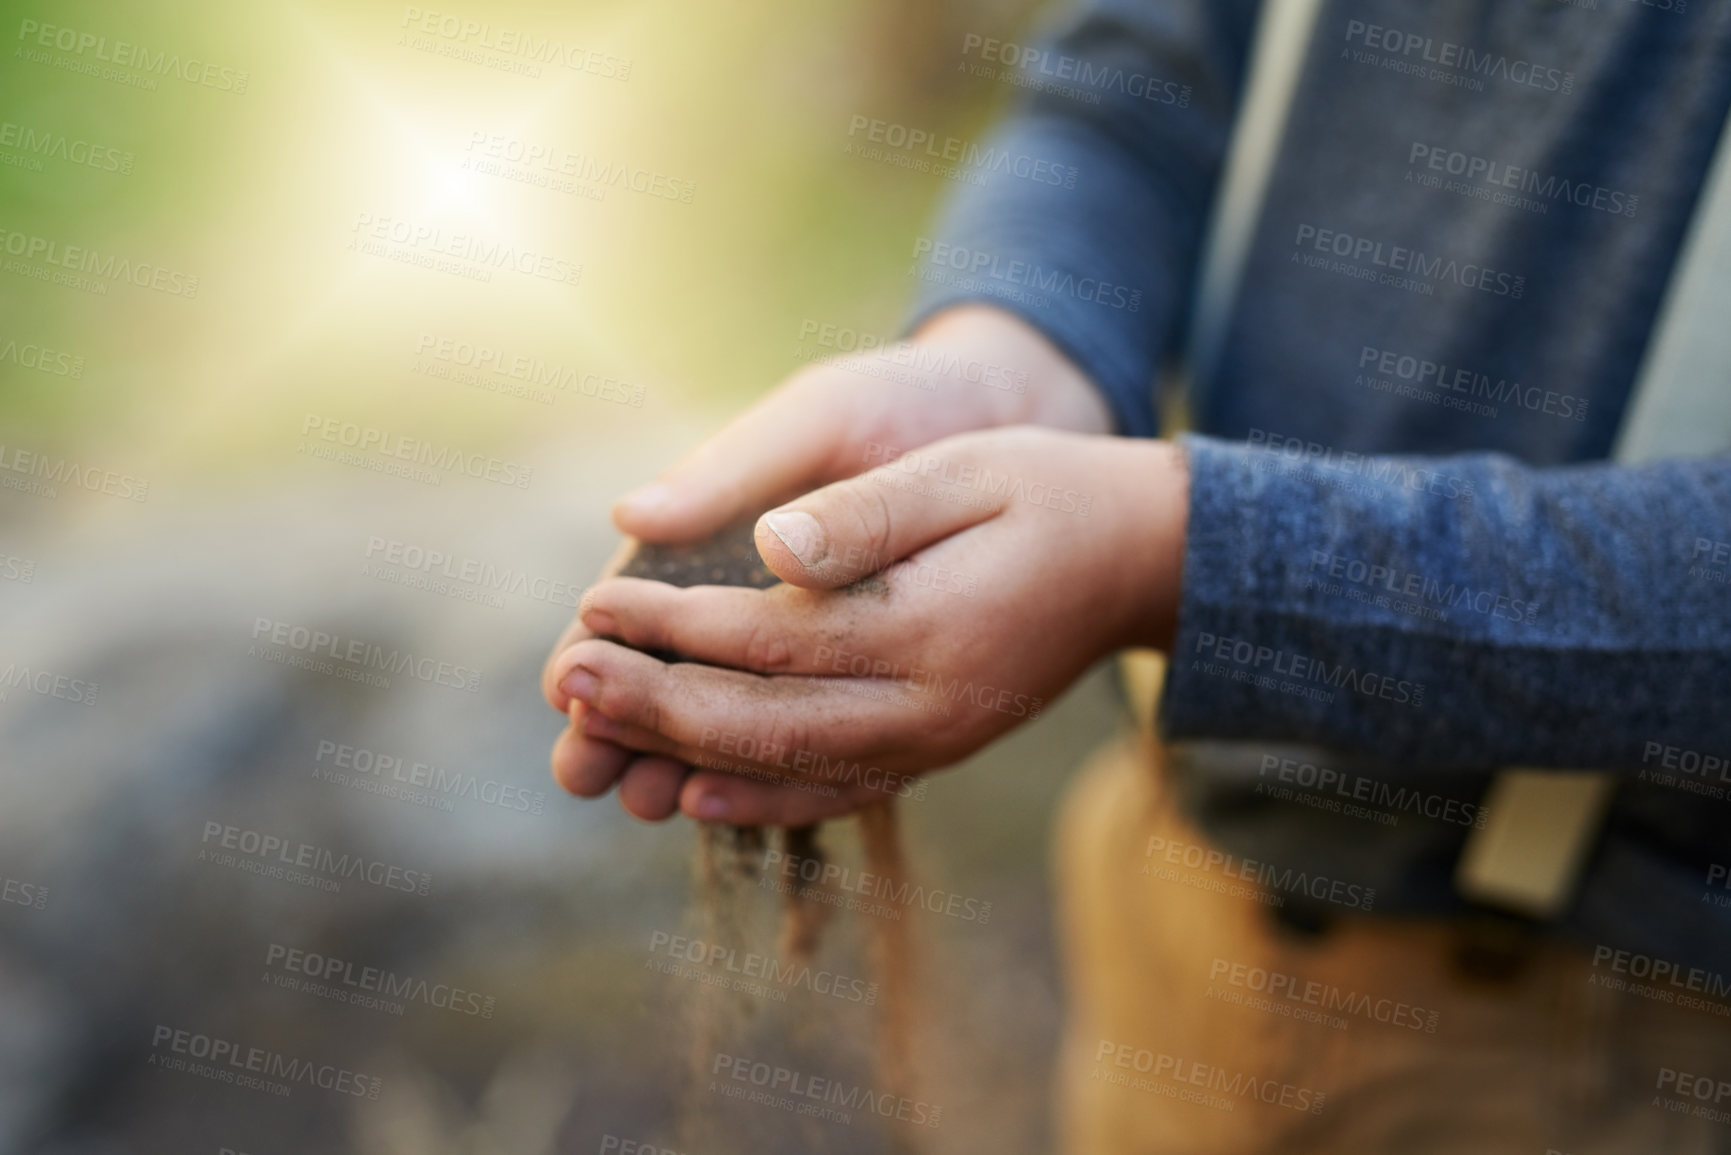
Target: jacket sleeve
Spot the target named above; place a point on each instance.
(1466, 607)
(1130, 109)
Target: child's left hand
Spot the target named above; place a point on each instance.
(1005, 563)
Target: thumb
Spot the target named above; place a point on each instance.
(848, 530)
(792, 440)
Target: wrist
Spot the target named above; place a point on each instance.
(1150, 532)
(1037, 384)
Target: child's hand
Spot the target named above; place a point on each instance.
(970, 368)
(1024, 555)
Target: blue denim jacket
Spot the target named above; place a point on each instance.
(1409, 562)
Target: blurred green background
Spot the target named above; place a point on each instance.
(696, 308)
(342, 115)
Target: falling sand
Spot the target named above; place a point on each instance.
(729, 860)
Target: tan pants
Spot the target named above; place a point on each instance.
(1198, 1025)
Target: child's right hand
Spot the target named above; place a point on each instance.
(824, 423)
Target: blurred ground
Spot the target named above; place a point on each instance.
(551, 915)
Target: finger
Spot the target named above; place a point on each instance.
(848, 530)
(778, 720)
(650, 788)
(771, 631)
(789, 442)
(584, 765)
(552, 672)
(839, 786)
(639, 741)
(711, 797)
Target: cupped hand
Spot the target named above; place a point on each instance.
(968, 368)
(1003, 564)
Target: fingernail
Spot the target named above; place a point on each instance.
(602, 623)
(712, 808)
(802, 533)
(649, 500)
(581, 684)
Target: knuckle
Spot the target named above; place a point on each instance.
(869, 509)
(653, 631)
(649, 713)
(790, 733)
(766, 649)
(630, 701)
